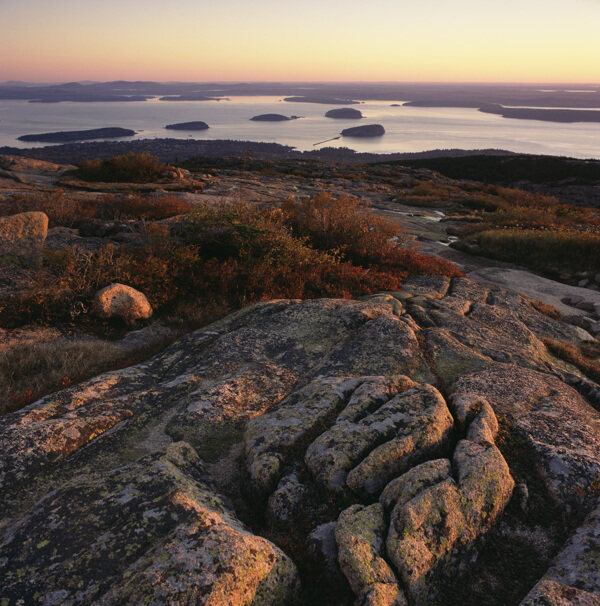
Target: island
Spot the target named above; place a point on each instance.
(79, 135)
(197, 125)
(319, 99)
(273, 118)
(368, 130)
(344, 113)
(191, 97)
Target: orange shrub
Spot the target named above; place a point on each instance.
(227, 257)
(128, 168)
(347, 225)
(67, 210)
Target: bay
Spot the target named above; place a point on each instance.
(408, 129)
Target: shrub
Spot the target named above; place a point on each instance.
(128, 168)
(544, 250)
(68, 210)
(226, 257)
(347, 226)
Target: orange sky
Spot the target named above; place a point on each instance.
(312, 40)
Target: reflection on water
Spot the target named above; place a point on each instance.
(408, 129)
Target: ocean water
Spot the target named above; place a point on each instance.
(408, 129)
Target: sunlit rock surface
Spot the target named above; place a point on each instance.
(414, 447)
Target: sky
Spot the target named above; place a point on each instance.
(301, 40)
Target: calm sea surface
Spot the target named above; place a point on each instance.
(408, 129)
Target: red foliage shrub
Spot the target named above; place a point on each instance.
(68, 210)
(128, 168)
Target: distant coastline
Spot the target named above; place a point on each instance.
(172, 150)
(546, 115)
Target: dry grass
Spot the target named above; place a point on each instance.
(586, 357)
(29, 371)
(545, 308)
(544, 250)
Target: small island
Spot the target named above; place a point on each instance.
(273, 118)
(368, 130)
(197, 125)
(344, 113)
(190, 97)
(319, 99)
(79, 135)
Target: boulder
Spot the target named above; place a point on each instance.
(123, 302)
(22, 237)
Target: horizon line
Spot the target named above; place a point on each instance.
(287, 82)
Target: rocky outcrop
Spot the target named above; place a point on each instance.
(359, 534)
(387, 446)
(123, 302)
(444, 507)
(22, 237)
(153, 527)
(573, 577)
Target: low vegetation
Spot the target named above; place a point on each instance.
(545, 308)
(585, 357)
(217, 259)
(128, 168)
(70, 210)
(545, 250)
(30, 371)
(511, 168)
(513, 225)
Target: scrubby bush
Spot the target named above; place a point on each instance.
(223, 258)
(349, 227)
(68, 210)
(128, 168)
